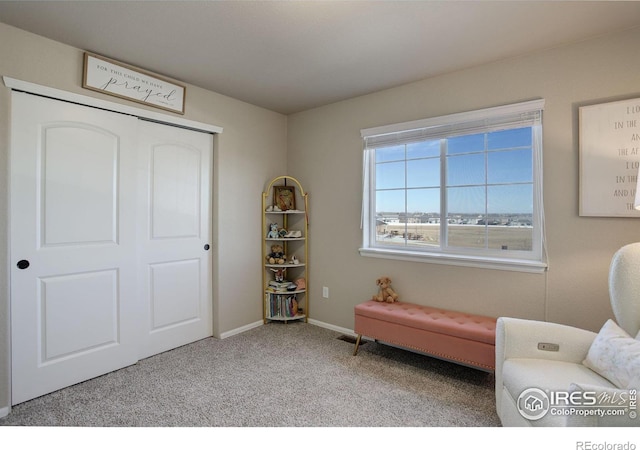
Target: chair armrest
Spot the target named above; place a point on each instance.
(519, 338)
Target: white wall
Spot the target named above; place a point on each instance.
(250, 151)
(325, 152)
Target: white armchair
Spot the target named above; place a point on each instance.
(544, 358)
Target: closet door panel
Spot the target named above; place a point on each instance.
(175, 191)
(79, 171)
(170, 281)
(175, 236)
(74, 307)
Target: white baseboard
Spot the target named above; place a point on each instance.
(259, 323)
(332, 327)
(4, 412)
(241, 329)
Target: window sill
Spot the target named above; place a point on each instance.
(517, 265)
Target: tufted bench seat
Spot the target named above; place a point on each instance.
(463, 338)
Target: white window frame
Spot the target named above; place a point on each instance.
(479, 121)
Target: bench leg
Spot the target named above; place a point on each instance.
(355, 350)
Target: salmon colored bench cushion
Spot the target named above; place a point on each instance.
(464, 338)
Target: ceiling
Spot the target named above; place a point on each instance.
(289, 56)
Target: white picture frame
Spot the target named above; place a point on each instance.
(609, 158)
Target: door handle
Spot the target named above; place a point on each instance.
(206, 246)
(23, 264)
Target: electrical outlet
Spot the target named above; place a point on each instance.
(325, 292)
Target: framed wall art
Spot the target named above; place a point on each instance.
(122, 80)
(284, 197)
(609, 158)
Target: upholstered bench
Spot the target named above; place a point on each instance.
(463, 338)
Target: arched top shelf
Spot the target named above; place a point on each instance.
(285, 187)
(285, 178)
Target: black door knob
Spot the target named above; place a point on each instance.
(206, 246)
(23, 264)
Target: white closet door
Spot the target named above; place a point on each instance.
(174, 236)
(74, 309)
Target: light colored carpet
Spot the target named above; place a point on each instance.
(277, 375)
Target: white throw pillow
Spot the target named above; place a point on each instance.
(615, 356)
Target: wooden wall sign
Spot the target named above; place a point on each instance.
(609, 158)
(122, 80)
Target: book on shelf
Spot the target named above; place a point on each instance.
(281, 286)
(281, 305)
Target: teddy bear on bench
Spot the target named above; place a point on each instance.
(385, 293)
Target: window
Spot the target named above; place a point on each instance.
(460, 189)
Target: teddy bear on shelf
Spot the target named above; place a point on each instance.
(277, 255)
(385, 293)
(273, 231)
